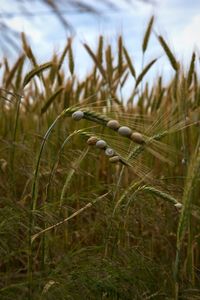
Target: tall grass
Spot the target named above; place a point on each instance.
(76, 222)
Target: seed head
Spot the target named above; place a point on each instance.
(101, 144)
(137, 138)
(77, 115)
(92, 140)
(109, 152)
(113, 124)
(125, 131)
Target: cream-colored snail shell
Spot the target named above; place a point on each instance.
(77, 115)
(125, 131)
(113, 124)
(137, 138)
(101, 144)
(92, 140)
(3, 164)
(114, 159)
(109, 152)
(178, 205)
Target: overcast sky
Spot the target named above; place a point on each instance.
(177, 20)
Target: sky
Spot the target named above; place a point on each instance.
(177, 20)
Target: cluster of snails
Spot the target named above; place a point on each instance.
(126, 131)
(101, 144)
(114, 125)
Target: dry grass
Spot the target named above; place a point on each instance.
(72, 222)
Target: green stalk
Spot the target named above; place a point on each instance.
(12, 156)
(33, 204)
(184, 220)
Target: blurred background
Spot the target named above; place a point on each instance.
(49, 23)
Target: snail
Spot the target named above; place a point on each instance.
(101, 144)
(113, 124)
(114, 159)
(109, 152)
(137, 138)
(125, 131)
(77, 115)
(178, 205)
(92, 140)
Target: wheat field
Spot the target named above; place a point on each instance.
(99, 194)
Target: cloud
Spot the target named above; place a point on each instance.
(180, 29)
(189, 36)
(25, 25)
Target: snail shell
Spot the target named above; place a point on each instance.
(113, 124)
(178, 205)
(109, 152)
(77, 115)
(137, 138)
(114, 159)
(101, 144)
(92, 140)
(125, 131)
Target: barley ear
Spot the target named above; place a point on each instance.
(120, 57)
(191, 69)
(96, 61)
(64, 53)
(100, 50)
(36, 71)
(129, 62)
(27, 49)
(145, 70)
(147, 35)
(71, 58)
(50, 100)
(170, 55)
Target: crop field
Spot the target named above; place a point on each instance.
(99, 193)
